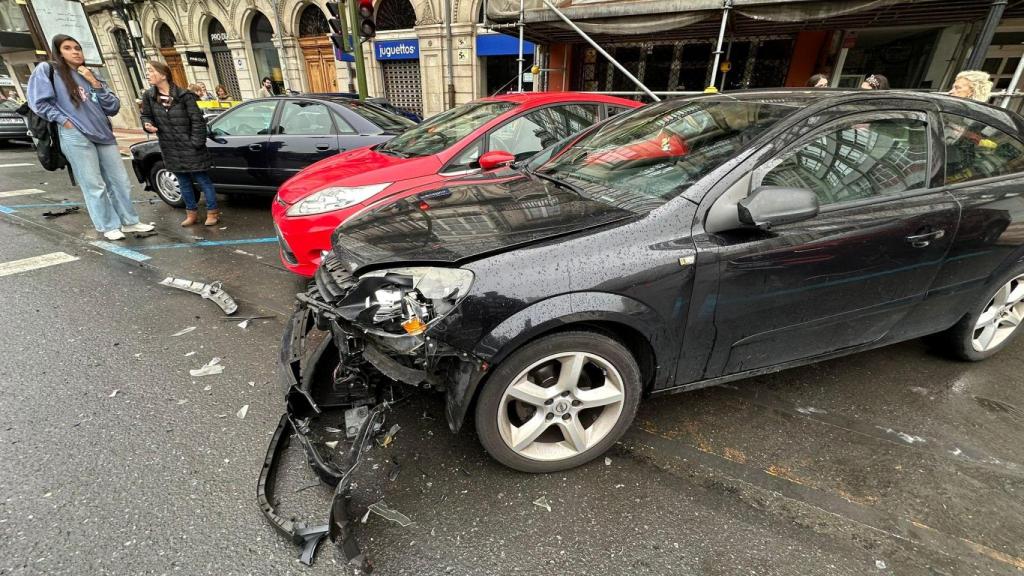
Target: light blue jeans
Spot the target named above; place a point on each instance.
(100, 173)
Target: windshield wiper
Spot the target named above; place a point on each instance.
(557, 182)
(385, 150)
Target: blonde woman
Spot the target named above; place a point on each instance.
(972, 84)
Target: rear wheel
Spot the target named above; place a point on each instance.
(992, 324)
(558, 402)
(165, 184)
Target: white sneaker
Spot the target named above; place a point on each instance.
(137, 227)
(113, 235)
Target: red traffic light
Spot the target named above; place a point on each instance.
(367, 27)
(366, 8)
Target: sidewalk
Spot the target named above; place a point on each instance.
(128, 136)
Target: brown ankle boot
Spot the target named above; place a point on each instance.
(212, 217)
(191, 216)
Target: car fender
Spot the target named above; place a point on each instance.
(546, 316)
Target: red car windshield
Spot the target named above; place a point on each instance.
(438, 133)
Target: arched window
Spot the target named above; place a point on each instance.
(395, 15)
(313, 22)
(260, 30)
(166, 36)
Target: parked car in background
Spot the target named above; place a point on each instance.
(12, 124)
(257, 145)
(774, 229)
(464, 140)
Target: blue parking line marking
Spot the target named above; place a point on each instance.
(120, 250)
(7, 210)
(206, 243)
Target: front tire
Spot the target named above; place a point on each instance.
(165, 184)
(558, 402)
(992, 323)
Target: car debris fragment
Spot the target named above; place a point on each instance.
(243, 324)
(58, 213)
(242, 412)
(184, 331)
(381, 509)
(210, 368)
(114, 393)
(543, 503)
(141, 235)
(213, 291)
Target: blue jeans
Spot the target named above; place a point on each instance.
(101, 175)
(188, 194)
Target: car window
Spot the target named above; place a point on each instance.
(245, 120)
(386, 120)
(343, 126)
(468, 159)
(616, 110)
(7, 105)
(976, 150)
(304, 118)
(858, 160)
(535, 131)
(445, 129)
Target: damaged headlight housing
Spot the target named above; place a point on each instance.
(409, 300)
(335, 198)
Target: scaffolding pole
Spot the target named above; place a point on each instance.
(597, 47)
(522, 14)
(721, 39)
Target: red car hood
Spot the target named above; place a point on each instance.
(359, 167)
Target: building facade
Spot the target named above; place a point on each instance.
(237, 44)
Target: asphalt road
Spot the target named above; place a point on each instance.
(895, 461)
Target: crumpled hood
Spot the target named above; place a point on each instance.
(456, 223)
(359, 167)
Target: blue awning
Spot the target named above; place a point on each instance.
(500, 45)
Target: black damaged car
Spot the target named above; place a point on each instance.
(685, 244)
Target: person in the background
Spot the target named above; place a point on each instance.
(222, 93)
(79, 103)
(817, 81)
(875, 82)
(173, 115)
(268, 88)
(203, 93)
(973, 84)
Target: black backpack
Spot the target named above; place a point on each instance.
(45, 135)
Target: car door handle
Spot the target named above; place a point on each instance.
(924, 239)
(255, 147)
(322, 147)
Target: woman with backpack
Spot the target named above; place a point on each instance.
(173, 115)
(66, 93)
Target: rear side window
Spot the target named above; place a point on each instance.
(859, 160)
(975, 150)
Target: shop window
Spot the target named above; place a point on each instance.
(976, 150)
(395, 15)
(166, 36)
(313, 22)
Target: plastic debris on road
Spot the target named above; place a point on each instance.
(213, 291)
(543, 503)
(242, 412)
(607, 461)
(390, 436)
(332, 444)
(184, 331)
(243, 324)
(114, 393)
(380, 509)
(212, 367)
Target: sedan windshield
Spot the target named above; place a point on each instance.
(8, 106)
(658, 151)
(445, 129)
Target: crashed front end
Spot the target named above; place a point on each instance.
(350, 352)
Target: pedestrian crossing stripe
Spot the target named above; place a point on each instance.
(25, 192)
(35, 262)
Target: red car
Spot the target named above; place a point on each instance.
(480, 135)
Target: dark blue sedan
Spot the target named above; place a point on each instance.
(259, 144)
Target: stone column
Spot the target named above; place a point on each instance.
(432, 71)
(292, 64)
(243, 68)
(464, 62)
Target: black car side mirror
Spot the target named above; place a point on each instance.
(769, 206)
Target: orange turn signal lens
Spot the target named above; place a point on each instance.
(414, 326)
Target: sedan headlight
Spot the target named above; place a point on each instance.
(335, 198)
(410, 299)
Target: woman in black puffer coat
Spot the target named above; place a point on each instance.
(172, 114)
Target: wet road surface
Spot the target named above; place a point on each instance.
(895, 461)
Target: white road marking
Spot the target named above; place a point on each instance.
(14, 165)
(35, 262)
(25, 192)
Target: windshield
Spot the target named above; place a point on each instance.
(661, 149)
(7, 105)
(445, 129)
(385, 119)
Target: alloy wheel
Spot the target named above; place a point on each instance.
(561, 406)
(167, 186)
(1001, 316)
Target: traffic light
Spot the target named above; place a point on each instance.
(367, 27)
(339, 29)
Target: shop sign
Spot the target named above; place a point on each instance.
(397, 49)
(197, 59)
